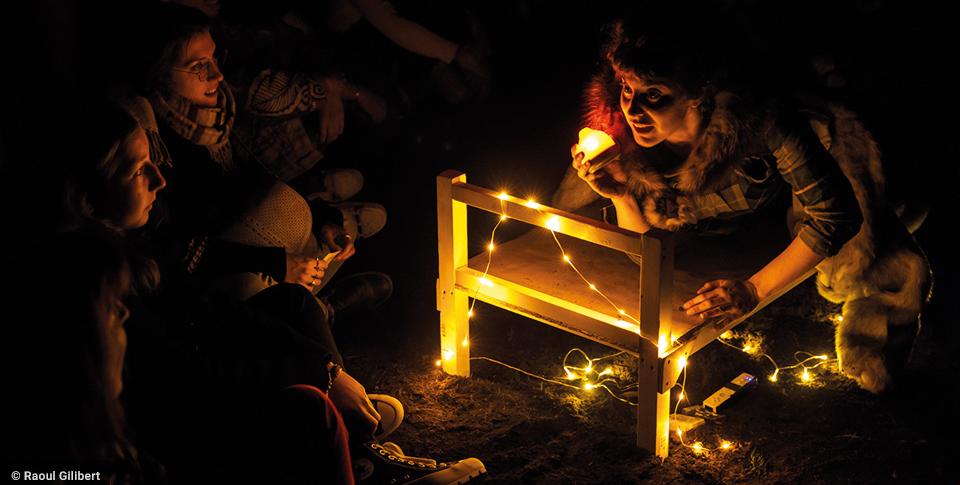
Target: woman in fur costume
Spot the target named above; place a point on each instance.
(695, 154)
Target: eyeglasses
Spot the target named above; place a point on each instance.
(202, 69)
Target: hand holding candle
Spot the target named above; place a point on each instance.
(595, 151)
(598, 148)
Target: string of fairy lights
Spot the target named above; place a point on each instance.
(587, 373)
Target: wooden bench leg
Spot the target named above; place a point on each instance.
(653, 407)
(656, 289)
(452, 250)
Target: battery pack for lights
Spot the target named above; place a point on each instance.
(728, 391)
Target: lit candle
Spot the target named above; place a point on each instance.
(598, 148)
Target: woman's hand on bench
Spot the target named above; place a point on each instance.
(729, 298)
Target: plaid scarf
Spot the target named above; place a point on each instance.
(209, 127)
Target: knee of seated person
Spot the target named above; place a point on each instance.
(308, 403)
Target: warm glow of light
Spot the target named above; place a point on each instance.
(589, 368)
(836, 318)
(630, 327)
(503, 217)
(490, 247)
(465, 343)
(773, 377)
(726, 335)
(486, 282)
(590, 144)
(662, 343)
(502, 196)
(566, 258)
(620, 310)
(447, 354)
(682, 362)
(570, 375)
(698, 447)
(532, 204)
(748, 349)
(681, 396)
(593, 142)
(822, 357)
(806, 377)
(470, 313)
(593, 287)
(438, 363)
(606, 372)
(588, 387)
(725, 445)
(553, 223)
(679, 433)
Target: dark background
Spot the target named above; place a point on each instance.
(896, 58)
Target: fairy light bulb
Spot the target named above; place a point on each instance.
(490, 247)
(682, 396)
(588, 387)
(725, 445)
(470, 313)
(485, 282)
(697, 447)
(682, 362)
(606, 372)
(570, 375)
(553, 223)
(805, 376)
(438, 363)
(447, 354)
(748, 348)
(502, 196)
(566, 258)
(593, 286)
(503, 217)
(532, 204)
(773, 377)
(465, 343)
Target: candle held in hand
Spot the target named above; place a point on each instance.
(598, 148)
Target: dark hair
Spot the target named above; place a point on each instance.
(64, 403)
(655, 49)
(158, 39)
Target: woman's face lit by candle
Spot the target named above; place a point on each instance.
(657, 111)
(133, 188)
(197, 76)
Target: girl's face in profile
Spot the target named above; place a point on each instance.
(196, 75)
(657, 111)
(133, 188)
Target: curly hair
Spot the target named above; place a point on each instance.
(681, 57)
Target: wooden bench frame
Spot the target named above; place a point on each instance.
(658, 366)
